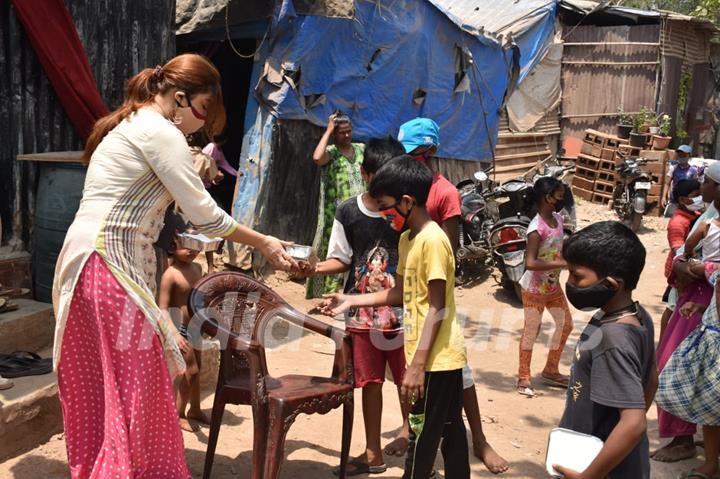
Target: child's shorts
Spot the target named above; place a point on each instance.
(372, 351)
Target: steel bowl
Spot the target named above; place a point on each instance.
(198, 242)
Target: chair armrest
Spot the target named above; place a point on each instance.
(343, 361)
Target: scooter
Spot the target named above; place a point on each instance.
(631, 192)
(508, 237)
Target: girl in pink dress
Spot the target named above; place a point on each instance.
(541, 286)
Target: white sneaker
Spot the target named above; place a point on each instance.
(5, 383)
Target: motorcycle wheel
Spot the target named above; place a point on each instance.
(634, 222)
(518, 292)
(513, 287)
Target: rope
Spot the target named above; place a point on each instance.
(232, 45)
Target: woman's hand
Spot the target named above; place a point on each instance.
(218, 178)
(182, 343)
(685, 275)
(274, 250)
(331, 122)
(689, 309)
(413, 385)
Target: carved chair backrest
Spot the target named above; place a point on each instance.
(231, 305)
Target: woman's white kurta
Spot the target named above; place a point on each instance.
(138, 169)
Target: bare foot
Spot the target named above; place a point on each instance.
(199, 416)
(398, 447)
(188, 426)
(679, 449)
(492, 460)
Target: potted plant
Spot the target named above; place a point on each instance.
(641, 126)
(661, 140)
(654, 124)
(625, 125)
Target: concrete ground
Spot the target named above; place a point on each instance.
(518, 427)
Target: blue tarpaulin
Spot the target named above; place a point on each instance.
(391, 63)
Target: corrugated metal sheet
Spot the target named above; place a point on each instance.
(618, 67)
(496, 17)
(120, 37)
(682, 39)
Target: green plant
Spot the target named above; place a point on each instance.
(664, 121)
(623, 118)
(641, 120)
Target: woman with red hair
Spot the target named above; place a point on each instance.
(116, 352)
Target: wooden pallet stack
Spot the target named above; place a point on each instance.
(595, 172)
(595, 167)
(658, 168)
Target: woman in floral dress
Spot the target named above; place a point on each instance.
(340, 180)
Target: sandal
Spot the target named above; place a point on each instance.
(24, 363)
(526, 391)
(6, 306)
(361, 467)
(558, 381)
(14, 292)
(5, 383)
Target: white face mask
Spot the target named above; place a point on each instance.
(187, 118)
(697, 204)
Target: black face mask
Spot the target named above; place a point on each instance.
(559, 206)
(592, 297)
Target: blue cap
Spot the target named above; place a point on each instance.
(685, 149)
(419, 132)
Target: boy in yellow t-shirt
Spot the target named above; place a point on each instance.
(434, 344)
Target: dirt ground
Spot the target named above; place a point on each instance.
(518, 427)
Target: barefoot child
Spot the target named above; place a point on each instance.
(613, 376)
(364, 244)
(541, 284)
(434, 343)
(175, 286)
(421, 139)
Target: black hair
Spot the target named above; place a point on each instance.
(175, 224)
(341, 117)
(684, 188)
(543, 187)
(402, 176)
(379, 151)
(609, 248)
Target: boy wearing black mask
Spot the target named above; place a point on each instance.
(613, 378)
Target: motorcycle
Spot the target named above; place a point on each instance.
(508, 235)
(478, 213)
(631, 192)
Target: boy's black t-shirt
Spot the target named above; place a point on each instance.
(611, 368)
(365, 241)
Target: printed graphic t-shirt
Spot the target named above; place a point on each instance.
(362, 239)
(551, 241)
(611, 368)
(425, 258)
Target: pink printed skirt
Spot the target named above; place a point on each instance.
(116, 393)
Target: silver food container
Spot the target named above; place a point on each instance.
(299, 252)
(198, 242)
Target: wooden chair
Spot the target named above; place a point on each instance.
(236, 309)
